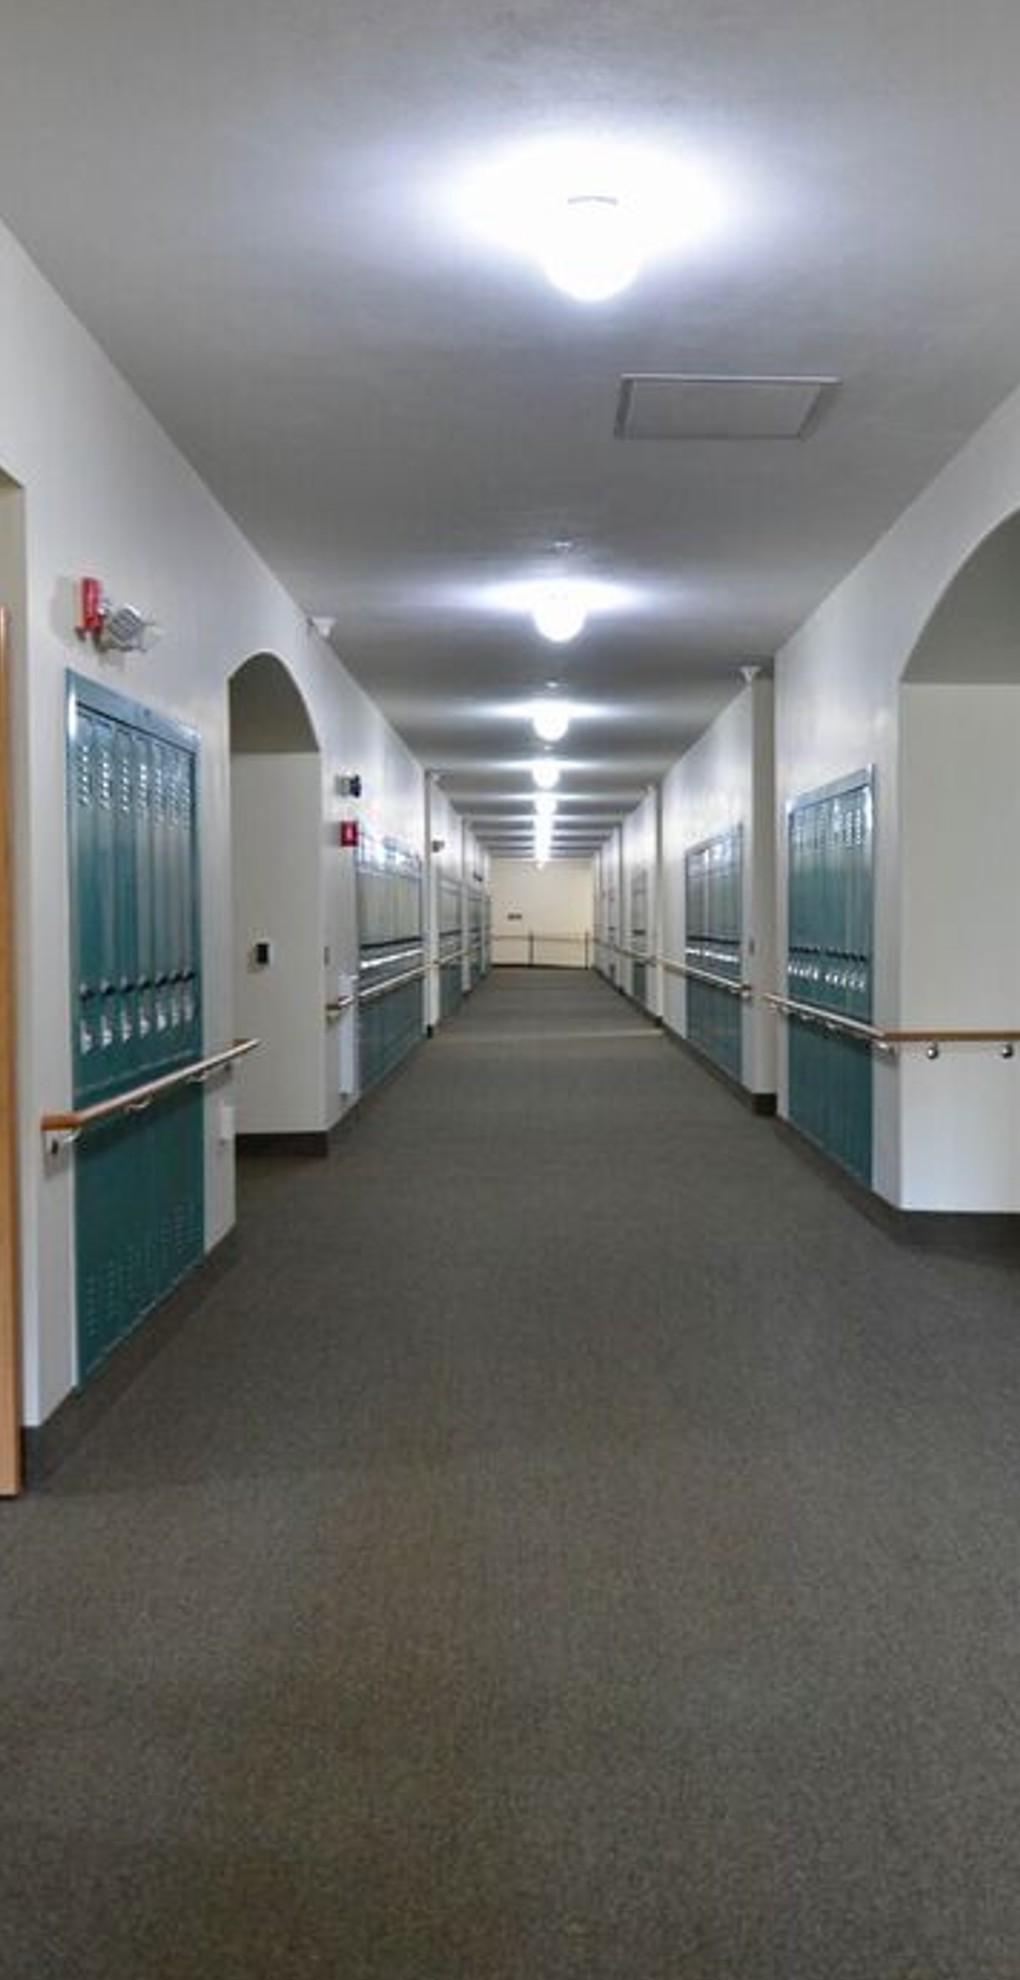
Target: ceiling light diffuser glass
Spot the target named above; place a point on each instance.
(590, 252)
(550, 721)
(559, 613)
(545, 774)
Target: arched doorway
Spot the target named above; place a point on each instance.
(959, 902)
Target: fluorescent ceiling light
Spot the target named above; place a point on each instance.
(550, 720)
(545, 774)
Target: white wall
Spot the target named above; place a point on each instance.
(108, 495)
(276, 826)
(549, 901)
(726, 780)
(960, 954)
(837, 710)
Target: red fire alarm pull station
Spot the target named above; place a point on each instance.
(348, 831)
(90, 606)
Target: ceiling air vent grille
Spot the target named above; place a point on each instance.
(671, 406)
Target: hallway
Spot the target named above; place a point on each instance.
(572, 1543)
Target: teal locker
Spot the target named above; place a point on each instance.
(639, 936)
(713, 883)
(389, 904)
(136, 1008)
(829, 966)
(451, 988)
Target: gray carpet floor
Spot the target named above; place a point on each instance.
(572, 1543)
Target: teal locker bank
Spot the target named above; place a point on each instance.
(136, 1002)
(829, 966)
(714, 886)
(451, 980)
(639, 936)
(391, 947)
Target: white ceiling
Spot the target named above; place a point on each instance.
(258, 206)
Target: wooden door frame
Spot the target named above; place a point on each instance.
(10, 1333)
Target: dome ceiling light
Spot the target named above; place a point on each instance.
(550, 720)
(591, 253)
(560, 612)
(545, 774)
(593, 209)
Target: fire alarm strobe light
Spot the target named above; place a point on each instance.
(90, 606)
(112, 628)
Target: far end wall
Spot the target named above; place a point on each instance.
(542, 914)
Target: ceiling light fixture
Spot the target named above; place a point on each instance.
(592, 209)
(550, 720)
(590, 252)
(545, 775)
(559, 613)
(545, 804)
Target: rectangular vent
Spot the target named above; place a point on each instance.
(670, 406)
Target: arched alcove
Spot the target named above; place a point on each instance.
(276, 806)
(972, 638)
(959, 822)
(268, 713)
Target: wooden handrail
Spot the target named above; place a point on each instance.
(735, 987)
(1003, 1037)
(66, 1127)
(889, 1041)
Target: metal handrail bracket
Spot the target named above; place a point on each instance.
(830, 1020)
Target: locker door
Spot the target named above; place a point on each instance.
(390, 937)
(829, 965)
(714, 897)
(136, 1010)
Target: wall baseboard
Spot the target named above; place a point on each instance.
(46, 1445)
(967, 1233)
(763, 1104)
(314, 1143)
